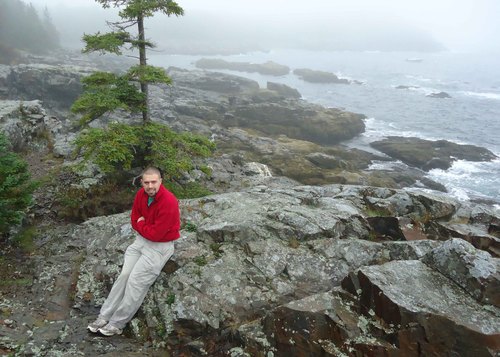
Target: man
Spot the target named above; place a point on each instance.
(155, 216)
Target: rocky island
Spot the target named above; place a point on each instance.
(299, 251)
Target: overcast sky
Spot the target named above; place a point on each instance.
(461, 25)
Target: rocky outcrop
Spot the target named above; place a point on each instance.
(284, 90)
(425, 314)
(57, 86)
(472, 269)
(427, 154)
(273, 275)
(327, 161)
(314, 76)
(438, 95)
(267, 68)
(272, 126)
(406, 87)
(23, 123)
(396, 308)
(294, 118)
(282, 269)
(29, 128)
(325, 126)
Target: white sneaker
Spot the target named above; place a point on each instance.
(110, 330)
(97, 324)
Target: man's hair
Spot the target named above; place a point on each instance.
(151, 170)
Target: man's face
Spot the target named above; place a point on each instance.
(151, 184)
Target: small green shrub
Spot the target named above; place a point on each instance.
(189, 226)
(216, 249)
(77, 204)
(190, 190)
(206, 170)
(16, 282)
(25, 239)
(377, 212)
(16, 187)
(372, 236)
(200, 260)
(170, 299)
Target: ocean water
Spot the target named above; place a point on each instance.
(470, 116)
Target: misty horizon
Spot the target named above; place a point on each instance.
(223, 27)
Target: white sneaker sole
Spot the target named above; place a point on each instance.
(109, 333)
(93, 329)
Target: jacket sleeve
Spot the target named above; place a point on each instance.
(166, 224)
(135, 214)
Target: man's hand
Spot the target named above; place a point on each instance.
(140, 219)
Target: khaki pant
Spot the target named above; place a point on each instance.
(142, 264)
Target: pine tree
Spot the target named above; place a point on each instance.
(16, 187)
(119, 146)
(115, 91)
(52, 35)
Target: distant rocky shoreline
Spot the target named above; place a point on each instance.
(273, 126)
(274, 69)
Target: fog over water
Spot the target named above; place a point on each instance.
(457, 25)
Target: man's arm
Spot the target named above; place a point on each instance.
(166, 225)
(135, 215)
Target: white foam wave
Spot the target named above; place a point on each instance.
(378, 165)
(419, 89)
(465, 179)
(428, 90)
(460, 193)
(419, 78)
(376, 129)
(484, 95)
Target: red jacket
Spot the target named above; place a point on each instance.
(161, 220)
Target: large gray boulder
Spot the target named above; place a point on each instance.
(284, 90)
(315, 76)
(234, 101)
(276, 269)
(473, 269)
(56, 85)
(29, 127)
(428, 154)
(24, 124)
(422, 312)
(279, 255)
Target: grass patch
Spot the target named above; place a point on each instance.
(377, 212)
(293, 242)
(170, 299)
(190, 190)
(189, 226)
(200, 260)
(16, 282)
(77, 204)
(25, 239)
(216, 249)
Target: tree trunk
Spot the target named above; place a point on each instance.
(143, 62)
